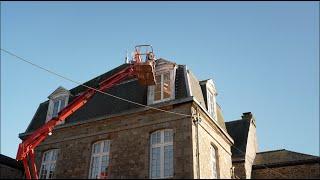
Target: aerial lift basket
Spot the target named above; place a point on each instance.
(145, 71)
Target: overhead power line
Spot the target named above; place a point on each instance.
(97, 90)
(123, 99)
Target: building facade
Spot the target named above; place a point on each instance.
(113, 138)
(284, 164)
(10, 168)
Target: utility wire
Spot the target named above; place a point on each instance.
(262, 165)
(76, 82)
(249, 157)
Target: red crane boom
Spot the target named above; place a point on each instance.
(144, 71)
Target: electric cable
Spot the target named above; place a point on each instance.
(123, 99)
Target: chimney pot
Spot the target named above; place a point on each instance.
(247, 115)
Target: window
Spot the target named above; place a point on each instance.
(55, 106)
(161, 154)
(57, 101)
(58, 105)
(211, 104)
(162, 89)
(214, 162)
(48, 164)
(99, 160)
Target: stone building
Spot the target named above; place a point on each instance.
(248, 163)
(10, 168)
(109, 137)
(285, 164)
(245, 146)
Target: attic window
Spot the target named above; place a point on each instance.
(58, 105)
(211, 104)
(211, 94)
(58, 100)
(164, 89)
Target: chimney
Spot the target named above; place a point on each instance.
(247, 115)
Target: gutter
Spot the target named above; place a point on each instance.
(224, 132)
(137, 110)
(128, 112)
(288, 163)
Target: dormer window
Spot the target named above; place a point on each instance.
(209, 89)
(58, 104)
(57, 101)
(164, 90)
(211, 104)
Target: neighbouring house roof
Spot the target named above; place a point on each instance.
(238, 130)
(282, 157)
(102, 105)
(220, 117)
(196, 89)
(11, 162)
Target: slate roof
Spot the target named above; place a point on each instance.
(282, 157)
(100, 105)
(203, 100)
(11, 162)
(238, 130)
(220, 118)
(196, 89)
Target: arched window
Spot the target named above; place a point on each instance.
(48, 164)
(99, 160)
(161, 154)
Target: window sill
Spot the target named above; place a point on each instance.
(162, 100)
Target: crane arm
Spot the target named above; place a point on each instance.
(26, 148)
(144, 71)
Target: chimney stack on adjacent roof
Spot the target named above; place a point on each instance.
(247, 115)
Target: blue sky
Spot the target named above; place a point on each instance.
(263, 57)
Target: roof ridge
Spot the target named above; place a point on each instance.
(285, 163)
(162, 59)
(205, 80)
(234, 121)
(271, 151)
(9, 161)
(301, 153)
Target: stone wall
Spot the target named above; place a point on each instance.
(129, 149)
(243, 163)
(251, 150)
(7, 172)
(302, 171)
(239, 169)
(210, 135)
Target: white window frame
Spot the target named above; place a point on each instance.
(151, 89)
(162, 87)
(211, 105)
(59, 94)
(52, 101)
(100, 154)
(214, 166)
(49, 163)
(161, 145)
(60, 106)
